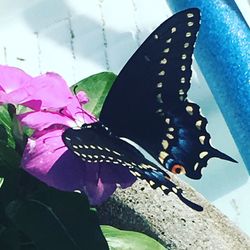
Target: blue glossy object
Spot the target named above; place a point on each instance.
(223, 54)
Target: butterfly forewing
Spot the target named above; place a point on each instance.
(148, 101)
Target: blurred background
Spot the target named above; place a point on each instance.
(83, 37)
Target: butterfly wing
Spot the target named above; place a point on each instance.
(94, 143)
(148, 101)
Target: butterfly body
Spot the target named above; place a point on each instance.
(148, 104)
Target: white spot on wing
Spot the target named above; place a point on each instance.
(77, 153)
(203, 154)
(162, 73)
(173, 30)
(159, 85)
(170, 136)
(166, 50)
(189, 109)
(183, 80)
(184, 56)
(164, 61)
(190, 15)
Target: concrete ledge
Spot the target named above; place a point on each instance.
(171, 222)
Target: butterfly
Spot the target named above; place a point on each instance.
(148, 105)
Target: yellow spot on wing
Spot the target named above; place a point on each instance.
(203, 154)
(165, 144)
(189, 109)
(162, 156)
(151, 183)
(202, 139)
(163, 187)
(170, 136)
(198, 124)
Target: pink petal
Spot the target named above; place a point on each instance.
(46, 158)
(80, 115)
(42, 151)
(51, 90)
(18, 96)
(82, 97)
(71, 173)
(48, 91)
(12, 78)
(40, 120)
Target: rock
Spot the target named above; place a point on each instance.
(168, 220)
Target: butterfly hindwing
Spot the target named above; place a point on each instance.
(94, 143)
(148, 101)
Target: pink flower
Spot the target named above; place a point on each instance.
(46, 157)
(48, 91)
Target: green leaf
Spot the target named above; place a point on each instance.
(53, 219)
(41, 225)
(10, 187)
(96, 87)
(21, 110)
(9, 158)
(6, 122)
(9, 239)
(1, 181)
(3, 135)
(129, 240)
(74, 213)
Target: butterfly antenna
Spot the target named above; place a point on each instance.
(74, 89)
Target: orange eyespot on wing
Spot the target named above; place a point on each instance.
(178, 169)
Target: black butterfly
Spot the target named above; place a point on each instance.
(148, 104)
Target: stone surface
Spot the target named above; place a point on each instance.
(171, 222)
